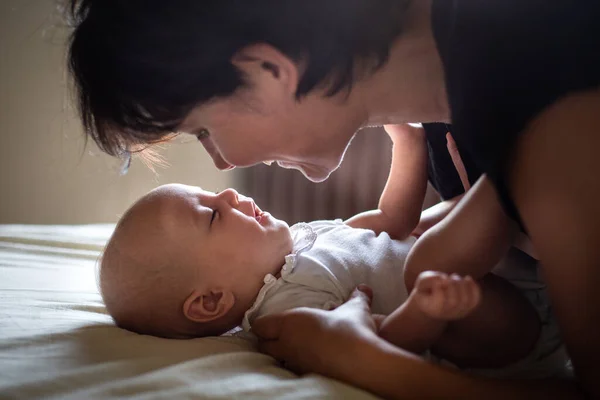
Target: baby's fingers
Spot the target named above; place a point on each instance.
(469, 296)
(430, 282)
(465, 292)
(453, 293)
(474, 292)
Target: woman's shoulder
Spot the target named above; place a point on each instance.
(509, 63)
(575, 112)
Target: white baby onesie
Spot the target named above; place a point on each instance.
(329, 260)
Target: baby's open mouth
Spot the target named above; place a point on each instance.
(258, 213)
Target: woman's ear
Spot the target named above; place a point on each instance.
(263, 64)
(208, 306)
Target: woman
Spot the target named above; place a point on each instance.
(292, 81)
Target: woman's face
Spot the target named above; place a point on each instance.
(247, 128)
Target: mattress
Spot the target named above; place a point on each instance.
(57, 342)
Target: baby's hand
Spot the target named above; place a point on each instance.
(446, 297)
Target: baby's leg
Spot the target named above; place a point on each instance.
(476, 325)
(420, 322)
(501, 330)
(471, 240)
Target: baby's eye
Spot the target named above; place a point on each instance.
(203, 134)
(214, 214)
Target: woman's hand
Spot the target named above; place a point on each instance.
(342, 344)
(325, 342)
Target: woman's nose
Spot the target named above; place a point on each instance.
(220, 163)
(218, 159)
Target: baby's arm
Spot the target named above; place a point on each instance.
(437, 299)
(402, 198)
(471, 240)
(434, 214)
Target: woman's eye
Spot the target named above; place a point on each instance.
(203, 134)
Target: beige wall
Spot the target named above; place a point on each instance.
(46, 174)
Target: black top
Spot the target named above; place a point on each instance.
(442, 173)
(505, 61)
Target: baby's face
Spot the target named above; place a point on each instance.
(225, 234)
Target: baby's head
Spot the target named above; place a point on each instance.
(184, 262)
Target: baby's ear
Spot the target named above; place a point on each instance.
(208, 306)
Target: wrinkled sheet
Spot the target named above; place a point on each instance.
(56, 340)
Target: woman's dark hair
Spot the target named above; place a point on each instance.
(140, 66)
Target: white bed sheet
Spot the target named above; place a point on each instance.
(56, 340)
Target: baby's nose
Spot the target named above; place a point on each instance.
(246, 206)
(231, 196)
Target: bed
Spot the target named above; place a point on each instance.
(56, 340)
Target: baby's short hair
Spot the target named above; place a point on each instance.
(141, 284)
(145, 278)
(141, 295)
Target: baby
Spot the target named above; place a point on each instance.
(184, 262)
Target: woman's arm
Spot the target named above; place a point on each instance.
(391, 373)
(342, 344)
(402, 198)
(555, 184)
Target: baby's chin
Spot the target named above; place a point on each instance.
(283, 228)
(289, 241)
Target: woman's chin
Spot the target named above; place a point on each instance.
(313, 173)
